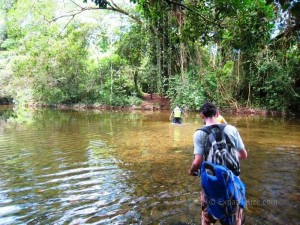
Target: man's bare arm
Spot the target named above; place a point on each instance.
(196, 165)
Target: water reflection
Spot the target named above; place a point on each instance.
(70, 167)
(271, 172)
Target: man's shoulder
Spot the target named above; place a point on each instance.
(230, 129)
(229, 126)
(199, 136)
(200, 131)
(204, 127)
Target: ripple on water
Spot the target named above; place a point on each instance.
(69, 195)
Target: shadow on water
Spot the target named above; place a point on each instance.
(92, 167)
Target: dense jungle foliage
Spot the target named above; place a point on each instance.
(235, 53)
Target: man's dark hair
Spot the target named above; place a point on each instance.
(208, 109)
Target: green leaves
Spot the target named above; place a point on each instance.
(169, 50)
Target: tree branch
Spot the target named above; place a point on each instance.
(66, 25)
(111, 7)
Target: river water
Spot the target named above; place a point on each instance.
(95, 167)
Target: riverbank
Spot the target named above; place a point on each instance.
(150, 102)
(154, 102)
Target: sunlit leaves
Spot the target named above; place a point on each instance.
(57, 72)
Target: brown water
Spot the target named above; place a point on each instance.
(89, 167)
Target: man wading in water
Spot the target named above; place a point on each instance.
(209, 113)
(177, 114)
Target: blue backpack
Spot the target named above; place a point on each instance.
(224, 192)
(223, 189)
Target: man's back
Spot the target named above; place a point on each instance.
(209, 113)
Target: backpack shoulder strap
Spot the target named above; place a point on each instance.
(208, 129)
(221, 126)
